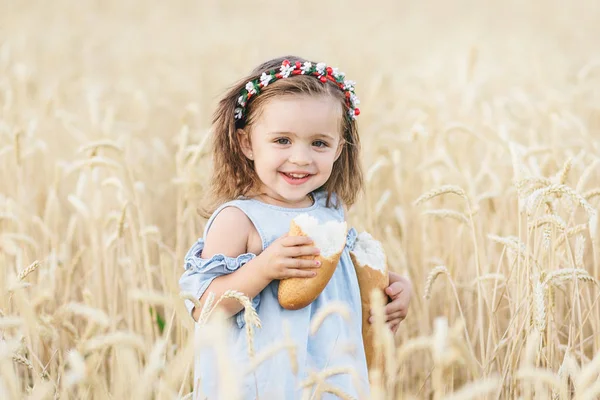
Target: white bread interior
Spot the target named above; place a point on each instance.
(371, 268)
(330, 239)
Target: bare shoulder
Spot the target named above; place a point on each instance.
(228, 233)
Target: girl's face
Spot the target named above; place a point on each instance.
(294, 143)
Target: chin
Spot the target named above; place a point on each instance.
(294, 196)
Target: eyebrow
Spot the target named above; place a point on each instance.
(313, 136)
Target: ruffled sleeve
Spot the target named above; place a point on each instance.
(200, 272)
(351, 239)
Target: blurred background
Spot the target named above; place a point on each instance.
(105, 111)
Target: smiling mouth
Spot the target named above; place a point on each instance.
(296, 176)
(295, 179)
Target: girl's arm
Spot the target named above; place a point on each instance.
(228, 235)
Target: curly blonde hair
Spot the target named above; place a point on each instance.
(234, 174)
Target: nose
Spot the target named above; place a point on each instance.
(300, 155)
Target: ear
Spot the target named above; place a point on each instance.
(245, 144)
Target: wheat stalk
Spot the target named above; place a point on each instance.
(113, 339)
(206, 309)
(269, 352)
(150, 297)
(568, 233)
(94, 146)
(316, 377)
(568, 370)
(565, 274)
(488, 277)
(431, 277)
(445, 189)
(579, 251)
(591, 393)
(442, 213)
(538, 195)
(561, 176)
(78, 370)
(588, 374)
(585, 176)
(251, 318)
(539, 375)
(10, 322)
(590, 194)
(526, 185)
(18, 358)
(551, 219)
(23, 273)
(327, 388)
(412, 346)
(514, 244)
(539, 305)
(330, 309)
(192, 298)
(90, 313)
(475, 390)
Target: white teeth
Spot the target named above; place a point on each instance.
(297, 176)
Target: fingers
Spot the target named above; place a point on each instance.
(394, 289)
(300, 273)
(290, 241)
(397, 315)
(392, 325)
(300, 263)
(396, 306)
(300, 251)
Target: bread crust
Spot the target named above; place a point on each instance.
(297, 293)
(369, 279)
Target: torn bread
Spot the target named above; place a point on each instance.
(371, 268)
(330, 239)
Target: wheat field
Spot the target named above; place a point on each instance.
(480, 127)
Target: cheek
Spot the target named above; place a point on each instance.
(326, 160)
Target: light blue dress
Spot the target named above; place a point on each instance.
(337, 343)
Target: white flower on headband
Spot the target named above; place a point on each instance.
(238, 113)
(286, 70)
(306, 67)
(241, 101)
(265, 79)
(351, 113)
(336, 73)
(321, 68)
(349, 85)
(354, 99)
(251, 88)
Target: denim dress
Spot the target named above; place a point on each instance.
(337, 343)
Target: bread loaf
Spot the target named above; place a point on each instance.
(371, 268)
(330, 239)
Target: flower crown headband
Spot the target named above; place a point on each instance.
(320, 70)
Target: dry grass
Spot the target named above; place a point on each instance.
(480, 128)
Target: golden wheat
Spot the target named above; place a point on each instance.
(105, 114)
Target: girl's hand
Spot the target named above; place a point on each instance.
(282, 259)
(399, 291)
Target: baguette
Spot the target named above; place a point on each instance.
(371, 268)
(330, 239)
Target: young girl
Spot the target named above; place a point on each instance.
(285, 143)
